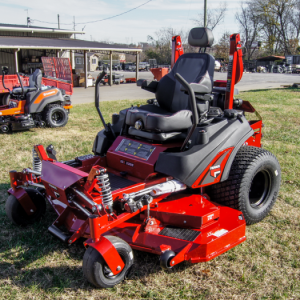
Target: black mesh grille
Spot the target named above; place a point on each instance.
(180, 233)
(118, 182)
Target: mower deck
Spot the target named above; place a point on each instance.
(173, 230)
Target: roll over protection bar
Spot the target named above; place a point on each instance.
(193, 105)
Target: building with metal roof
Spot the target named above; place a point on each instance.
(21, 47)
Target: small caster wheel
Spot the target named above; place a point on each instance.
(166, 258)
(16, 212)
(97, 271)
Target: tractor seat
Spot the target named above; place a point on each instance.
(159, 120)
(35, 83)
(173, 117)
(18, 90)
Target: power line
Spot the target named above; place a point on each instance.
(123, 13)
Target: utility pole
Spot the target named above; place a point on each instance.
(74, 27)
(205, 13)
(28, 19)
(58, 21)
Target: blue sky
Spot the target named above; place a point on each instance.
(132, 27)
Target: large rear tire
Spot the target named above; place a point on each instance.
(253, 184)
(97, 271)
(16, 212)
(56, 116)
(4, 99)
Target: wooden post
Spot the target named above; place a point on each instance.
(137, 66)
(16, 60)
(72, 60)
(85, 68)
(110, 75)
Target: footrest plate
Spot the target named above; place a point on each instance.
(180, 233)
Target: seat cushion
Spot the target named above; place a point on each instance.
(154, 136)
(160, 121)
(18, 90)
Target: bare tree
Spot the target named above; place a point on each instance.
(277, 22)
(222, 47)
(162, 44)
(249, 27)
(214, 17)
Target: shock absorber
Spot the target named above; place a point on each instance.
(104, 184)
(36, 162)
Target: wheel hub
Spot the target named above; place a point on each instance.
(260, 188)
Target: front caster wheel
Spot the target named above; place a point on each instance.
(166, 259)
(16, 212)
(253, 184)
(97, 271)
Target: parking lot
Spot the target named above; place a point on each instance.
(250, 81)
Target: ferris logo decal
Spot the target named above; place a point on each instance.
(215, 171)
(210, 217)
(49, 93)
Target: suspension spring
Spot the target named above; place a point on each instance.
(36, 162)
(104, 183)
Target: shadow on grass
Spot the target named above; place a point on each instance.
(63, 275)
(31, 256)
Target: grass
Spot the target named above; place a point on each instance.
(35, 265)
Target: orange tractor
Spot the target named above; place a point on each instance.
(34, 105)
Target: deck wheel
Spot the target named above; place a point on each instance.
(16, 212)
(97, 271)
(166, 259)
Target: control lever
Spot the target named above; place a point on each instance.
(193, 105)
(107, 127)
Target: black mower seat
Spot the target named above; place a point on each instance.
(160, 121)
(18, 90)
(35, 83)
(172, 117)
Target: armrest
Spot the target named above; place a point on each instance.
(150, 86)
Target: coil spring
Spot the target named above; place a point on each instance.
(104, 183)
(36, 162)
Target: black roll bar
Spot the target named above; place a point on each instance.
(193, 105)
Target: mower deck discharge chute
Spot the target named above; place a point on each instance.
(34, 105)
(179, 177)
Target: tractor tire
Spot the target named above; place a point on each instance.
(16, 212)
(252, 186)
(97, 271)
(5, 99)
(56, 116)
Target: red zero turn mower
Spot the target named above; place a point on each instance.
(177, 177)
(34, 105)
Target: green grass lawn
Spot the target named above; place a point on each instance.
(35, 265)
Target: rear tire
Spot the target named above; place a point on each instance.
(16, 212)
(56, 116)
(253, 184)
(4, 100)
(97, 271)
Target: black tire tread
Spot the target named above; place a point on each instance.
(228, 192)
(47, 115)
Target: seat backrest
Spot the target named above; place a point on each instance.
(35, 80)
(192, 67)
